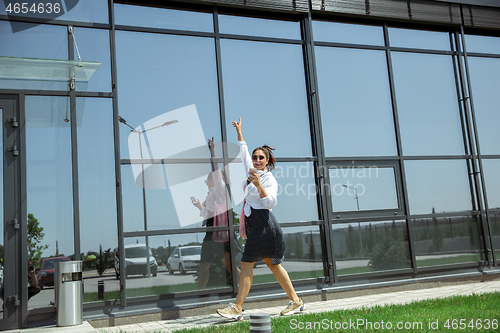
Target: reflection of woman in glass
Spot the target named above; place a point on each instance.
(212, 250)
(264, 236)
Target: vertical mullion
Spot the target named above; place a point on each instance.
(404, 191)
(479, 180)
(74, 153)
(224, 139)
(324, 202)
(118, 174)
(23, 188)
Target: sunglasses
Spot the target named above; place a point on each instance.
(258, 157)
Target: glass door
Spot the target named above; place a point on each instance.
(13, 267)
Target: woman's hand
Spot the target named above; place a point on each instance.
(237, 125)
(254, 178)
(211, 147)
(196, 203)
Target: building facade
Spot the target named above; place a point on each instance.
(383, 113)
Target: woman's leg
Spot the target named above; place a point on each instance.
(246, 277)
(282, 276)
(226, 261)
(203, 274)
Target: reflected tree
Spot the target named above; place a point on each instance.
(35, 236)
(390, 252)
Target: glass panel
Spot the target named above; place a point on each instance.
(175, 263)
(428, 110)
(495, 231)
(96, 175)
(437, 186)
(492, 180)
(363, 188)
(482, 44)
(296, 192)
(167, 73)
(166, 207)
(49, 178)
(485, 79)
(348, 33)
(264, 85)
(303, 256)
(84, 11)
(355, 101)
(419, 39)
(250, 26)
(163, 18)
(40, 41)
(370, 246)
(93, 45)
(445, 240)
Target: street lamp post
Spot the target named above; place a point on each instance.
(359, 224)
(139, 132)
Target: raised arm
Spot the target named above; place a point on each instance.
(237, 125)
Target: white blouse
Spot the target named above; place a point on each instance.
(215, 194)
(251, 196)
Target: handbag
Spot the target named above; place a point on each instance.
(220, 220)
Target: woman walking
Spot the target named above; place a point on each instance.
(264, 236)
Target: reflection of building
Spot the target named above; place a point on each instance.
(397, 98)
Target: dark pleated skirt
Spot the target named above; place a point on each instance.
(264, 237)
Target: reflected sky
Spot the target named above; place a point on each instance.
(163, 18)
(250, 26)
(491, 169)
(163, 74)
(264, 85)
(355, 102)
(419, 39)
(427, 104)
(93, 45)
(363, 188)
(482, 44)
(485, 79)
(442, 186)
(347, 33)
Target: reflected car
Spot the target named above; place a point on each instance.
(184, 259)
(136, 259)
(45, 276)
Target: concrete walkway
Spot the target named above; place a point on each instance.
(399, 297)
(321, 306)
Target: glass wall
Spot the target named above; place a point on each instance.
(388, 110)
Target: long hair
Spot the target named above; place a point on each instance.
(268, 151)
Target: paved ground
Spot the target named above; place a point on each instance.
(399, 297)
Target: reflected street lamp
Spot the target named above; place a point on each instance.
(139, 131)
(359, 224)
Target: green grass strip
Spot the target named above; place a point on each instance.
(474, 313)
